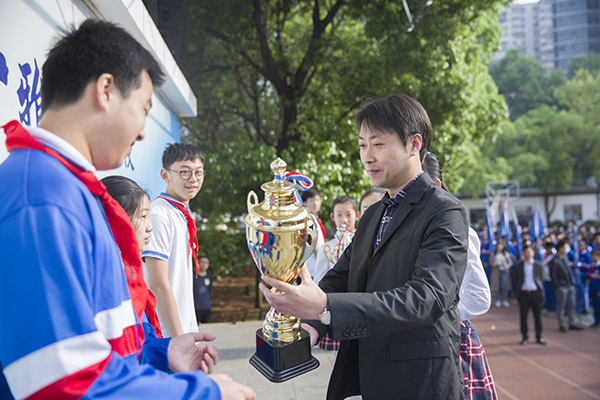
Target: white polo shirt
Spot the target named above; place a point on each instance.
(169, 241)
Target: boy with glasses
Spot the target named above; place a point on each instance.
(172, 254)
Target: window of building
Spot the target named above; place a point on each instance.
(572, 212)
(524, 214)
(477, 217)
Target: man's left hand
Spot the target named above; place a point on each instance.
(185, 356)
(306, 300)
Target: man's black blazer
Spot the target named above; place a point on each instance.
(538, 275)
(395, 309)
(560, 273)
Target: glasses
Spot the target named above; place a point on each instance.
(186, 174)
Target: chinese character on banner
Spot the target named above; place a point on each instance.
(29, 93)
(3, 70)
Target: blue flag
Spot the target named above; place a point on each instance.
(491, 240)
(504, 226)
(537, 228)
(517, 232)
(575, 246)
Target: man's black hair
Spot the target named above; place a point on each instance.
(344, 199)
(85, 53)
(309, 194)
(175, 152)
(561, 243)
(400, 114)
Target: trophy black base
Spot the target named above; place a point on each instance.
(279, 362)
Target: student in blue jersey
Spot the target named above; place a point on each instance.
(71, 265)
(594, 284)
(172, 254)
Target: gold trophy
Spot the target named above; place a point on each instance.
(281, 235)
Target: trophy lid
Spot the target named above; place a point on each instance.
(279, 184)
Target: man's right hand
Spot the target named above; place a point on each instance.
(231, 390)
(314, 334)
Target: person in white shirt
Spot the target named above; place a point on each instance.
(344, 214)
(475, 299)
(529, 284)
(171, 256)
(312, 199)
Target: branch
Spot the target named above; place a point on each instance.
(315, 46)
(224, 38)
(270, 72)
(348, 111)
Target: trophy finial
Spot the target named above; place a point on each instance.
(279, 166)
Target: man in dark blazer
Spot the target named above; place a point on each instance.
(392, 297)
(563, 283)
(529, 284)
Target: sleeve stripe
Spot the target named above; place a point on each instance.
(128, 343)
(112, 322)
(73, 386)
(30, 374)
(155, 254)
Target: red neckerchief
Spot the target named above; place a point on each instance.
(191, 224)
(120, 224)
(321, 226)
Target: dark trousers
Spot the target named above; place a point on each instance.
(595, 299)
(531, 300)
(203, 316)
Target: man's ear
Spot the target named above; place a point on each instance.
(331, 216)
(416, 141)
(164, 174)
(104, 88)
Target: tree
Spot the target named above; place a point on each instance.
(581, 95)
(524, 83)
(286, 77)
(589, 62)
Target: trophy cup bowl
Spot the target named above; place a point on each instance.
(281, 235)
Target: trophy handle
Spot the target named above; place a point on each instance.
(311, 240)
(251, 204)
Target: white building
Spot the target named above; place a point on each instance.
(28, 29)
(576, 204)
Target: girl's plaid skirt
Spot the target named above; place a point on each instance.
(477, 375)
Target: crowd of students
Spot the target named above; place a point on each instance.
(578, 248)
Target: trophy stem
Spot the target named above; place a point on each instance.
(280, 327)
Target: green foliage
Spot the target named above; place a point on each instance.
(524, 83)
(286, 78)
(589, 62)
(227, 251)
(554, 142)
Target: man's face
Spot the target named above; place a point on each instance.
(385, 158)
(528, 253)
(564, 250)
(314, 204)
(184, 189)
(344, 214)
(124, 125)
